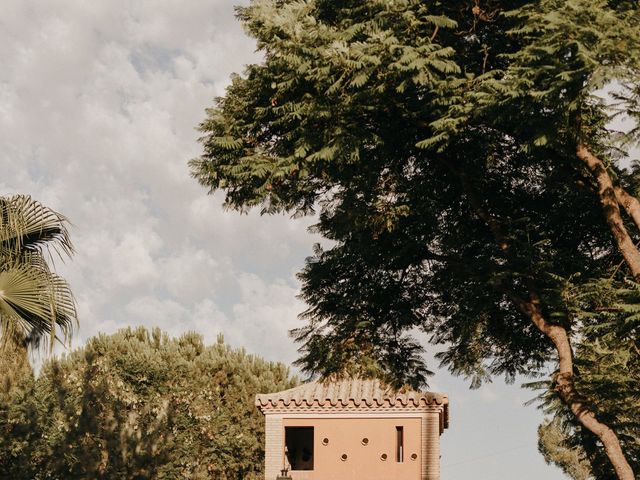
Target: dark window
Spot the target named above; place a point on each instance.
(299, 447)
(399, 444)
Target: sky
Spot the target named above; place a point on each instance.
(99, 104)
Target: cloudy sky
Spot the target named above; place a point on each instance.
(99, 101)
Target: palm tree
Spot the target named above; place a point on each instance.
(35, 303)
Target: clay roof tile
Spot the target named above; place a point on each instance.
(346, 391)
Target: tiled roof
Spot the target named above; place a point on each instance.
(352, 391)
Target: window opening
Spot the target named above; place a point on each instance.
(299, 447)
(399, 444)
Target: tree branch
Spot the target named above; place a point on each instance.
(566, 387)
(611, 209)
(630, 203)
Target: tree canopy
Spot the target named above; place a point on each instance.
(136, 405)
(461, 160)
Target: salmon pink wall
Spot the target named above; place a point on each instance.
(345, 436)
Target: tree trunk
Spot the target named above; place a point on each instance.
(611, 209)
(566, 389)
(558, 334)
(629, 203)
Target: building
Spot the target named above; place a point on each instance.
(353, 429)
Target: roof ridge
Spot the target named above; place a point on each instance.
(349, 390)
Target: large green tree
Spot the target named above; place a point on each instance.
(140, 405)
(35, 303)
(460, 158)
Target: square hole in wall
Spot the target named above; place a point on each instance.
(299, 447)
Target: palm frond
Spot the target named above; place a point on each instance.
(26, 224)
(34, 302)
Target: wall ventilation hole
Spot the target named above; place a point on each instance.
(383, 457)
(344, 457)
(325, 441)
(414, 456)
(365, 441)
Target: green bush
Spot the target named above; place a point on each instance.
(136, 405)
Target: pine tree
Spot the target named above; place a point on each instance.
(138, 404)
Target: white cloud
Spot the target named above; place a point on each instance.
(132, 261)
(193, 274)
(99, 102)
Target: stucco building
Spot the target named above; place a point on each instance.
(353, 429)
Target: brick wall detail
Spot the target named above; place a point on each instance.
(431, 446)
(274, 448)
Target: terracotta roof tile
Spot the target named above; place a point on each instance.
(349, 391)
